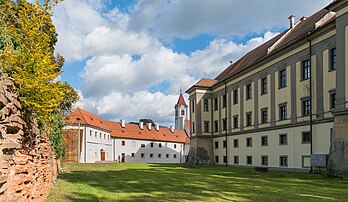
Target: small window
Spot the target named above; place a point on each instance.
(151, 155)
(333, 100)
(216, 126)
(235, 97)
(151, 144)
(306, 70)
(205, 105)
(143, 145)
(264, 141)
(142, 155)
(282, 78)
(306, 107)
(216, 104)
(193, 127)
(193, 106)
(206, 126)
(100, 135)
(216, 159)
(224, 144)
(182, 112)
(282, 112)
(167, 156)
(264, 160)
(248, 92)
(90, 133)
(283, 139)
(283, 161)
(225, 159)
(333, 59)
(235, 122)
(133, 155)
(235, 143)
(174, 156)
(249, 160)
(159, 155)
(174, 146)
(224, 124)
(249, 142)
(216, 144)
(104, 136)
(123, 143)
(224, 101)
(248, 119)
(159, 145)
(95, 134)
(264, 89)
(133, 143)
(264, 115)
(306, 137)
(236, 160)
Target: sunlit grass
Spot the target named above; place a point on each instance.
(162, 182)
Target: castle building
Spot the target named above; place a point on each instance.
(283, 104)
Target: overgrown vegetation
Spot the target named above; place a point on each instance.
(27, 41)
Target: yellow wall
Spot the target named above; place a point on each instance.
(329, 82)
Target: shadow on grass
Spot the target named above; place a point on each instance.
(158, 182)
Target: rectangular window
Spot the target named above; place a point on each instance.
(224, 144)
(193, 106)
(142, 145)
(225, 159)
(283, 161)
(248, 119)
(100, 135)
(133, 144)
(142, 155)
(123, 143)
(248, 92)
(264, 160)
(151, 144)
(264, 141)
(264, 89)
(95, 134)
(174, 146)
(332, 100)
(159, 155)
(282, 112)
(174, 156)
(159, 145)
(235, 122)
(216, 104)
(216, 126)
(283, 139)
(249, 160)
(205, 105)
(206, 126)
(235, 143)
(216, 144)
(306, 70)
(216, 159)
(151, 155)
(333, 59)
(224, 124)
(306, 137)
(193, 127)
(236, 160)
(264, 115)
(249, 142)
(167, 156)
(90, 133)
(224, 101)
(306, 107)
(133, 155)
(282, 78)
(235, 97)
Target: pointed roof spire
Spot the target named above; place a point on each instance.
(181, 100)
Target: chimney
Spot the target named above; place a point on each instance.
(172, 129)
(149, 125)
(292, 21)
(141, 125)
(123, 123)
(157, 126)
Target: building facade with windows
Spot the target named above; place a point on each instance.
(280, 103)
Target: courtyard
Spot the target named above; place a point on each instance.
(173, 182)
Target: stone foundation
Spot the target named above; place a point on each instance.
(203, 153)
(27, 164)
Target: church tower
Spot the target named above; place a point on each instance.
(181, 113)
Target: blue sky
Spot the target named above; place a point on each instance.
(129, 58)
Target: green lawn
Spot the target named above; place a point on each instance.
(162, 182)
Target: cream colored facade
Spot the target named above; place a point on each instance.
(294, 96)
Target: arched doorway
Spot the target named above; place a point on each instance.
(102, 155)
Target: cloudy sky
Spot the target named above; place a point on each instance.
(129, 58)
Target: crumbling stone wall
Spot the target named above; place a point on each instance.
(27, 163)
(201, 150)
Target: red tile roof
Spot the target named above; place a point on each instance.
(181, 100)
(206, 82)
(131, 131)
(187, 122)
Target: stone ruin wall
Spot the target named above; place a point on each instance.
(27, 163)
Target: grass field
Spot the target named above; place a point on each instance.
(161, 182)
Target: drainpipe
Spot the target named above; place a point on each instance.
(310, 98)
(226, 125)
(85, 143)
(78, 140)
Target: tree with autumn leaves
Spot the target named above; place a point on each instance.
(27, 42)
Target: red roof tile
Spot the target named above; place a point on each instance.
(86, 118)
(187, 122)
(181, 100)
